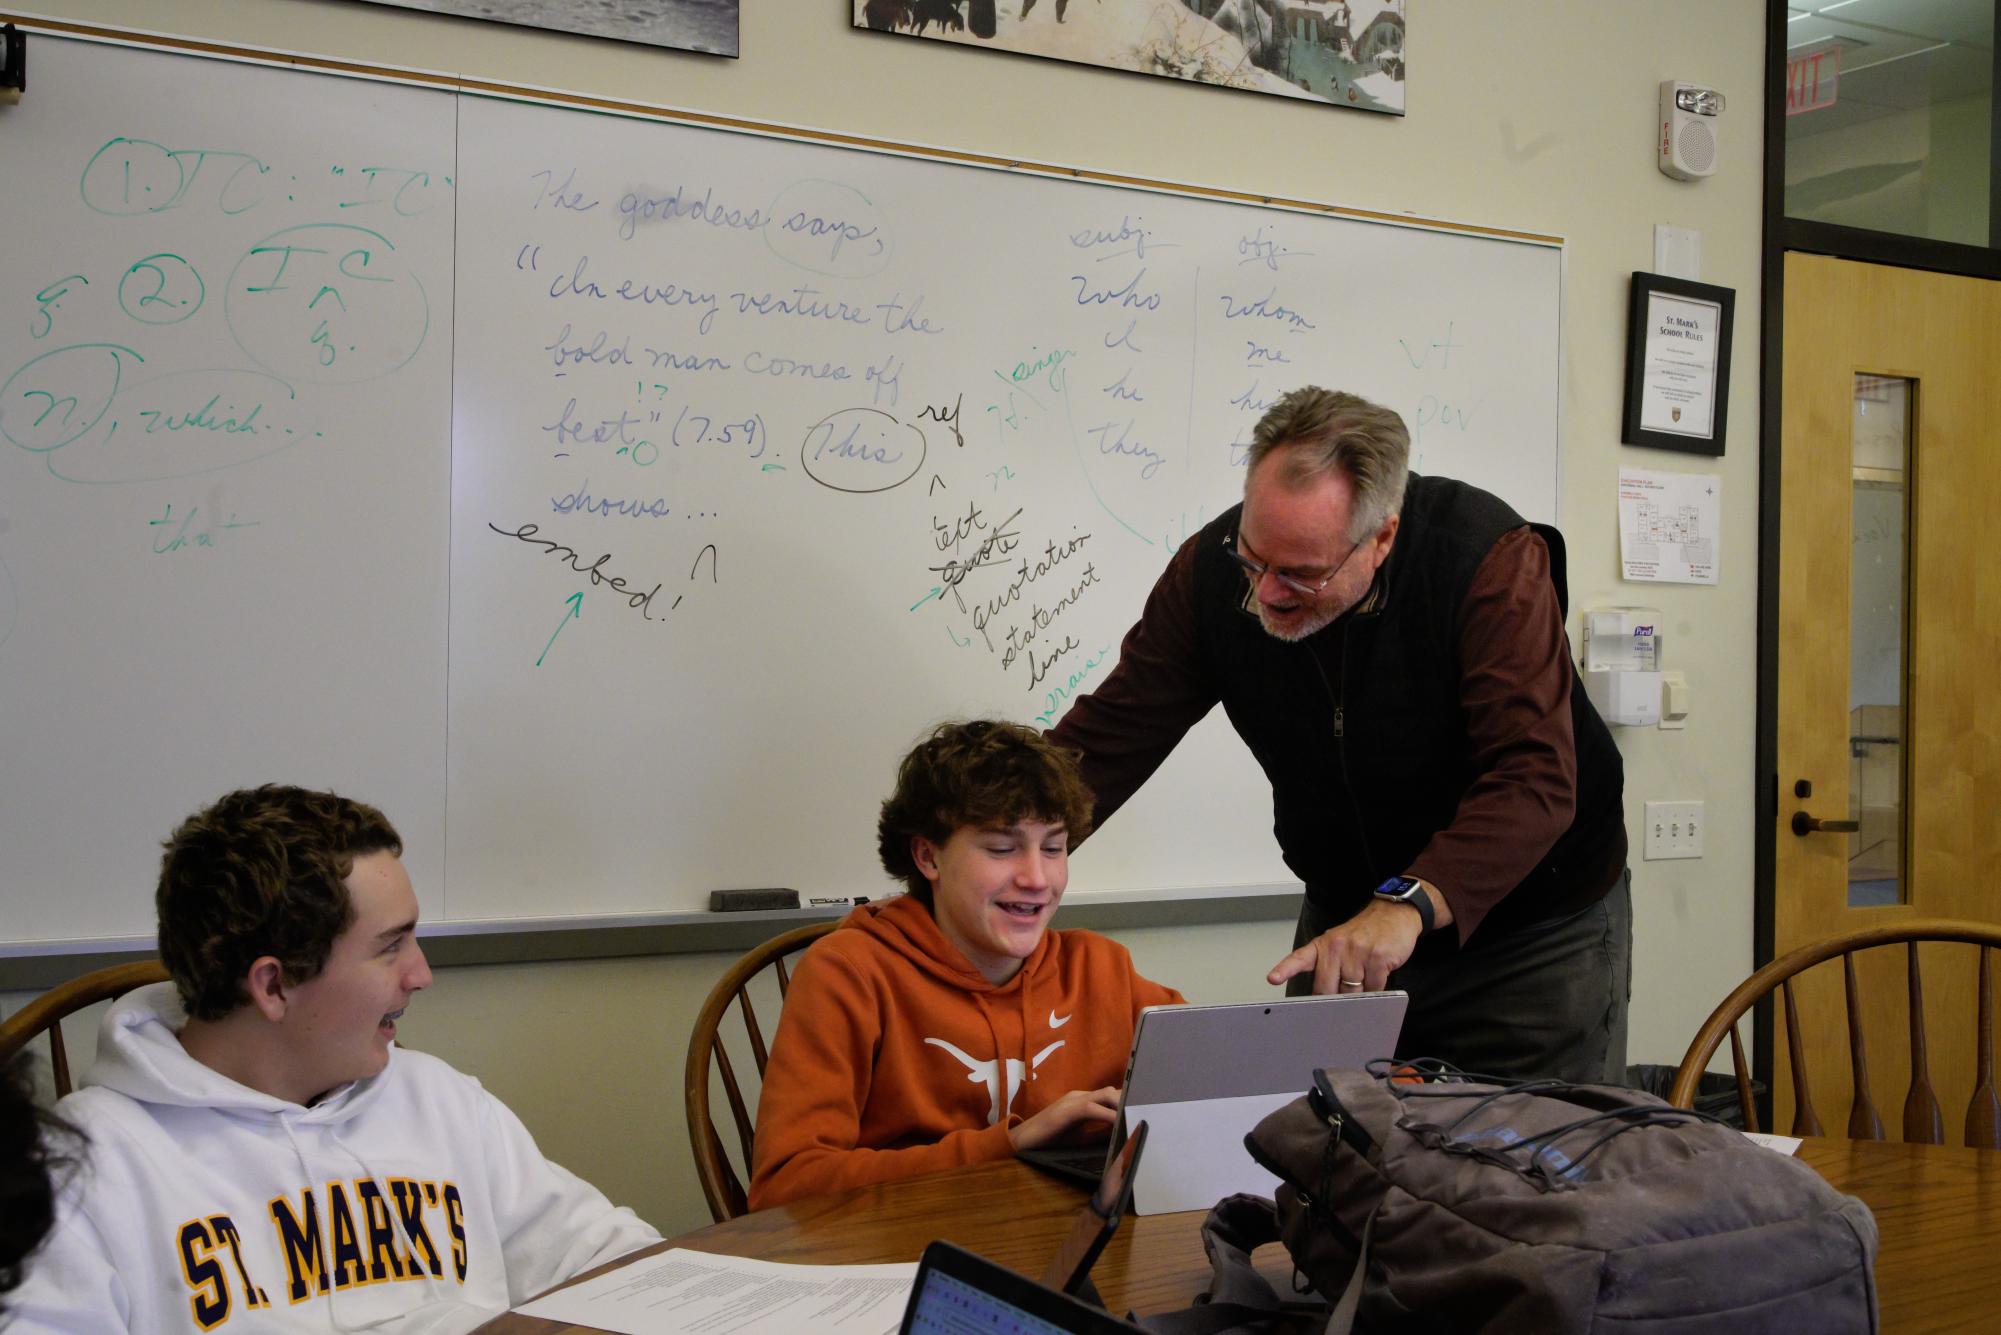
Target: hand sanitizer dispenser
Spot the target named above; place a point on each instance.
(1622, 664)
(1622, 639)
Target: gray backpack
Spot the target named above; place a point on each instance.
(1545, 1207)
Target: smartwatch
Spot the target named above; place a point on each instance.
(1408, 890)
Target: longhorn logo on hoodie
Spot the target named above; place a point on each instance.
(988, 1073)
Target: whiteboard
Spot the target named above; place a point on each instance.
(720, 467)
(222, 489)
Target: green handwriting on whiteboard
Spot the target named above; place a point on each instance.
(49, 300)
(575, 602)
(161, 289)
(127, 177)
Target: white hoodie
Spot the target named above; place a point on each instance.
(410, 1201)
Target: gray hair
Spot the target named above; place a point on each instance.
(1327, 431)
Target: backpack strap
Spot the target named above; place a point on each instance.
(1341, 1319)
(1239, 1300)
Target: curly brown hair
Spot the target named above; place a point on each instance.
(262, 872)
(982, 773)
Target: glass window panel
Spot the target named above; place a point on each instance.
(1881, 444)
(1889, 115)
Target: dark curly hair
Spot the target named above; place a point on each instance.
(981, 773)
(261, 872)
(29, 1163)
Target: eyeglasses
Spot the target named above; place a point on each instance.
(1257, 570)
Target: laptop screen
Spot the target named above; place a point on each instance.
(959, 1293)
(1204, 1076)
(949, 1306)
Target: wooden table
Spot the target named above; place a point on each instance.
(1938, 1213)
(1938, 1223)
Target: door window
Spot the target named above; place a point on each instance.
(1878, 586)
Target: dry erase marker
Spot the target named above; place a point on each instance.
(747, 901)
(836, 901)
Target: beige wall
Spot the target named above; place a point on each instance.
(1536, 116)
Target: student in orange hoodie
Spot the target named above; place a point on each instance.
(949, 1025)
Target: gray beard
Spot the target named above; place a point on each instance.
(1313, 624)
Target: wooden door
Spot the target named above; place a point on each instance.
(1910, 551)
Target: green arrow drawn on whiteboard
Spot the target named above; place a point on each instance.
(576, 605)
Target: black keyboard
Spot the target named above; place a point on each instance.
(1080, 1163)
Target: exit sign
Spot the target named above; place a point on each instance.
(1811, 78)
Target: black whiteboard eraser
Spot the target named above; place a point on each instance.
(741, 901)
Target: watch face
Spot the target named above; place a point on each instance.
(1408, 890)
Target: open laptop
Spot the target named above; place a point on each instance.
(1069, 1270)
(958, 1293)
(1203, 1076)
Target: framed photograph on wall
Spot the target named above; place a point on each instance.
(1349, 53)
(688, 25)
(1677, 364)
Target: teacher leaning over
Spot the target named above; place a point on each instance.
(1391, 648)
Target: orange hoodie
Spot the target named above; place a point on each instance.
(895, 1057)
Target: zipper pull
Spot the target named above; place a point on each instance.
(1340, 720)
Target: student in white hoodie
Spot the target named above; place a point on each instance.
(261, 1156)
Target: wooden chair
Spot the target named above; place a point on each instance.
(47, 1012)
(1923, 1119)
(720, 1184)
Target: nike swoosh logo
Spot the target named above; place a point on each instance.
(1055, 1023)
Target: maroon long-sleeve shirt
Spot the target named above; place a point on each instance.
(1515, 681)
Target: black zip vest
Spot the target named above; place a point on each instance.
(1359, 725)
